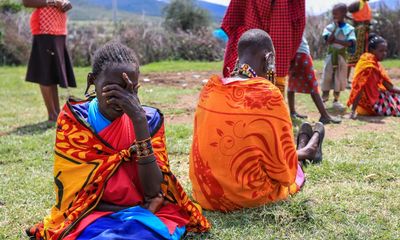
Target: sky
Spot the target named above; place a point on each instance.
(313, 6)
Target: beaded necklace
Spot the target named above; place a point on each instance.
(244, 70)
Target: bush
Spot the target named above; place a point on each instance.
(150, 41)
(388, 26)
(14, 38)
(185, 15)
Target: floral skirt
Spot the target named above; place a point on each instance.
(388, 104)
(302, 76)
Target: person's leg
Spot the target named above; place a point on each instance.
(309, 151)
(47, 93)
(320, 105)
(56, 99)
(348, 86)
(292, 108)
(336, 96)
(325, 117)
(325, 96)
(290, 96)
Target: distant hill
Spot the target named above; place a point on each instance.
(138, 7)
(392, 4)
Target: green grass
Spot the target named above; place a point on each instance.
(180, 66)
(353, 194)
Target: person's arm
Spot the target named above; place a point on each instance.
(34, 3)
(344, 43)
(390, 87)
(353, 114)
(107, 207)
(330, 37)
(62, 5)
(150, 175)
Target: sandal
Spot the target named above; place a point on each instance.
(297, 115)
(305, 129)
(334, 120)
(320, 129)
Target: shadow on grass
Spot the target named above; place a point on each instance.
(31, 129)
(371, 119)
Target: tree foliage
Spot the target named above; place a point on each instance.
(185, 15)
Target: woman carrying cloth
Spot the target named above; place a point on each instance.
(373, 93)
(361, 16)
(111, 170)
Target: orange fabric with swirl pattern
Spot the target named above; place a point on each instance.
(83, 164)
(243, 153)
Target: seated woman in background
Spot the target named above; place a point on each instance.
(111, 170)
(373, 93)
(243, 153)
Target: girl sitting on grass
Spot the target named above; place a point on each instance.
(372, 92)
(111, 170)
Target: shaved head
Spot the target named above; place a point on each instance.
(255, 41)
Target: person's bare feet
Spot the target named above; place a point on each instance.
(154, 204)
(298, 115)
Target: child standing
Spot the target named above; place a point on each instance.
(339, 35)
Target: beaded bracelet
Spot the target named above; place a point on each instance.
(144, 148)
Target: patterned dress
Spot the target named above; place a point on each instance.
(302, 74)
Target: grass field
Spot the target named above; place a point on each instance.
(353, 194)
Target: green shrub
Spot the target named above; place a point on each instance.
(185, 15)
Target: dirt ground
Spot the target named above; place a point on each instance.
(187, 104)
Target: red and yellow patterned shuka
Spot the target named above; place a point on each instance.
(243, 153)
(83, 164)
(369, 76)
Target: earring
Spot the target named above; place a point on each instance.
(236, 68)
(270, 67)
(92, 94)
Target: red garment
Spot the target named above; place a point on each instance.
(302, 75)
(364, 13)
(48, 20)
(284, 21)
(369, 76)
(123, 188)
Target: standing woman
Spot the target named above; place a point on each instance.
(49, 63)
(283, 20)
(361, 15)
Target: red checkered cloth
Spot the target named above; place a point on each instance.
(284, 20)
(48, 20)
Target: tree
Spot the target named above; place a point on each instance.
(185, 15)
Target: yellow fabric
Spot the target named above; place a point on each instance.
(281, 84)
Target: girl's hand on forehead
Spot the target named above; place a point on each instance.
(126, 98)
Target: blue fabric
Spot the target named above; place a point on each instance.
(95, 118)
(154, 118)
(346, 29)
(304, 48)
(132, 223)
(221, 35)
